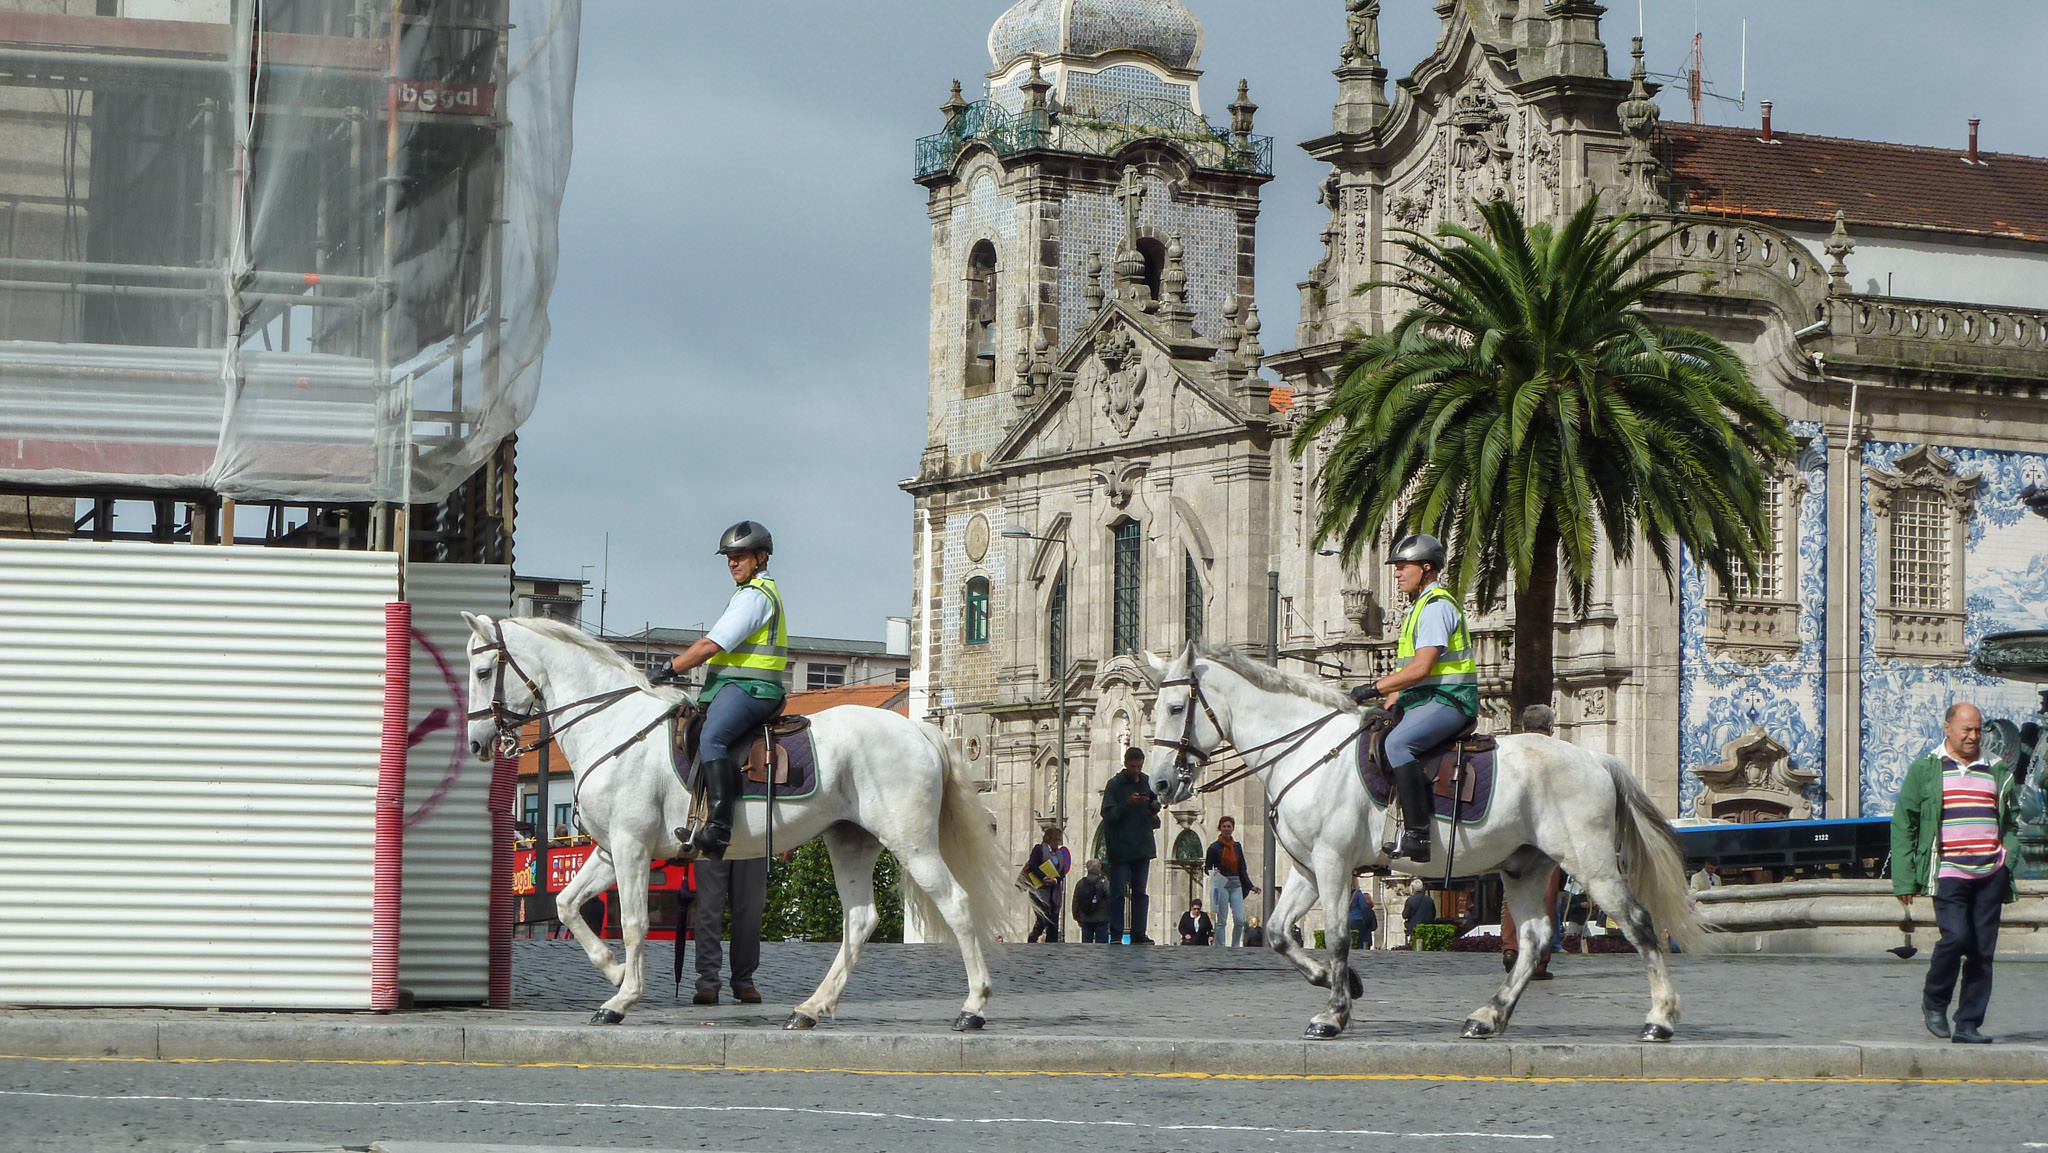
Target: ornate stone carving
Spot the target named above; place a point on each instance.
(1119, 480)
(1756, 778)
(1482, 160)
(1593, 704)
(1122, 378)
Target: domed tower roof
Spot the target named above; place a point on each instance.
(1162, 29)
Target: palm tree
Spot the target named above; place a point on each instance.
(1526, 400)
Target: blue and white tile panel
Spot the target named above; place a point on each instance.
(1720, 699)
(2005, 588)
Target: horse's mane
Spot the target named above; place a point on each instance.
(1273, 680)
(569, 634)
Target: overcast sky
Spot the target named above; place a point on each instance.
(740, 320)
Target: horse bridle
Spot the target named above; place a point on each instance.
(1184, 748)
(508, 722)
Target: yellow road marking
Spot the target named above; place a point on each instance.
(1444, 1077)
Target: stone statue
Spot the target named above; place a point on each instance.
(1363, 19)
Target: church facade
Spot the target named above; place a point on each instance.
(1108, 473)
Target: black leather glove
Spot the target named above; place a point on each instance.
(1363, 693)
(665, 675)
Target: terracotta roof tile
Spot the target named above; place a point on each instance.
(1800, 178)
(893, 696)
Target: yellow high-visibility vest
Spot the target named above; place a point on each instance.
(1454, 677)
(765, 654)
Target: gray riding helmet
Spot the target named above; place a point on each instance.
(1419, 548)
(746, 536)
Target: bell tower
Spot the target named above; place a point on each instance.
(1092, 271)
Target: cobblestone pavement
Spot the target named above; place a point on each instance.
(1249, 994)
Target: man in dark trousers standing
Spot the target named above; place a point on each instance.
(1130, 813)
(1955, 834)
(744, 884)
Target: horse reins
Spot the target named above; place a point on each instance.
(509, 723)
(1184, 748)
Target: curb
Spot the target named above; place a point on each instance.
(135, 1039)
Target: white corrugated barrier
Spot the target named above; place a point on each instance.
(443, 947)
(188, 770)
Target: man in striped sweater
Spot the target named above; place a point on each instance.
(1954, 833)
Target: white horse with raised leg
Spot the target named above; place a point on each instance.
(1553, 804)
(884, 781)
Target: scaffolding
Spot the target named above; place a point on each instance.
(287, 252)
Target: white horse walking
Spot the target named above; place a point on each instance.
(883, 782)
(1553, 804)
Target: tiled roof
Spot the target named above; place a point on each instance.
(894, 697)
(662, 636)
(1799, 178)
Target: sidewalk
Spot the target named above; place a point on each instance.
(1125, 1009)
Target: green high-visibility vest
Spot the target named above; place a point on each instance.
(763, 656)
(1454, 677)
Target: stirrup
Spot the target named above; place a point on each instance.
(1415, 847)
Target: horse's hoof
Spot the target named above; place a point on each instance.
(1356, 983)
(800, 1021)
(969, 1023)
(1655, 1033)
(607, 1017)
(1476, 1030)
(1320, 1031)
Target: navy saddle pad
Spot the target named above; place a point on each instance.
(1478, 790)
(795, 769)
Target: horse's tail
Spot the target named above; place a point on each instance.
(967, 842)
(1655, 863)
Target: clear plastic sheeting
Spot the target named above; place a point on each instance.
(276, 249)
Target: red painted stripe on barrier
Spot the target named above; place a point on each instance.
(389, 861)
(504, 789)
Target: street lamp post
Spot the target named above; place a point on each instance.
(1059, 675)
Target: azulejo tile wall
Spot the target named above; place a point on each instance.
(1721, 698)
(2005, 573)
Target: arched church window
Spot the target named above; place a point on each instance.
(983, 295)
(1056, 627)
(977, 612)
(1155, 263)
(1124, 632)
(1191, 592)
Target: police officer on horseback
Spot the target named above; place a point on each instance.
(1437, 683)
(747, 653)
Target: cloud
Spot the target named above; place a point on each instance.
(741, 322)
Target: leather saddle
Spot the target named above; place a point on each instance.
(764, 753)
(1467, 744)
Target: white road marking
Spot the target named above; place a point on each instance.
(458, 1102)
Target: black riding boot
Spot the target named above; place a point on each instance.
(721, 779)
(1417, 810)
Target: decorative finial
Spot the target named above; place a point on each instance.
(1231, 337)
(1041, 364)
(1639, 117)
(1839, 246)
(1035, 88)
(1174, 284)
(954, 105)
(1250, 351)
(1091, 287)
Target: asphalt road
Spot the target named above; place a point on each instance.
(161, 1107)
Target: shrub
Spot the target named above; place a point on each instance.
(803, 902)
(1434, 938)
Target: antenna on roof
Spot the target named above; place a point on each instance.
(1742, 95)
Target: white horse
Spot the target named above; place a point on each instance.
(1553, 803)
(883, 782)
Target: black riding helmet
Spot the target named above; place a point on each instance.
(746, 536)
